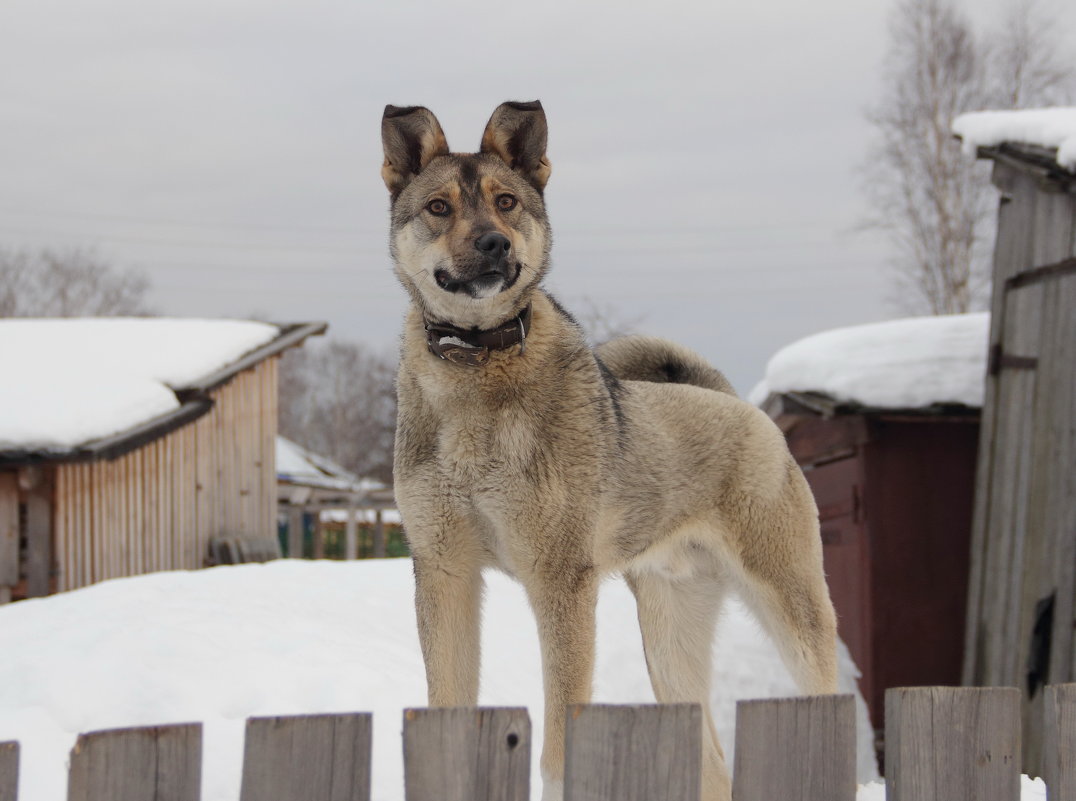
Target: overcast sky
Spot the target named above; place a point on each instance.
(704, 154)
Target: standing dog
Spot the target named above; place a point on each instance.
(519, 448)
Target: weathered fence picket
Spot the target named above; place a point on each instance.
(160, 763)
(943, 743)
(816, 740)
(633, 753)
(1059, 742)
(9, 771)
(307, 758)
(467, 754)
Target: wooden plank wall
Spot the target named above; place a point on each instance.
(157, 507)
(1024, 534)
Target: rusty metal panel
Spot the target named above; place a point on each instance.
(895, 520)
(836, 488)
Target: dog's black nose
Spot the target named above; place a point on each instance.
(494, 246)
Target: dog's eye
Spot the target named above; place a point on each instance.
(506, 202)
(437, 207)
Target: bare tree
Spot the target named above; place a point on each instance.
(929, 198)
(70, 283)
(936, 203)
(339, 399)
(1027, 68)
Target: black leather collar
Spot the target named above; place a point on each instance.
(471, 347)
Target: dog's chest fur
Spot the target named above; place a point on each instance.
(524, 435)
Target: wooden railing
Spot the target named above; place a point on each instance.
(942, 744)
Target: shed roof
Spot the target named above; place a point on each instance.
(1040, 142)
(297, 465)
(86, 388)
(311, 480)
(918, 363)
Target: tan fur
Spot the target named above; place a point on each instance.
(558, 470)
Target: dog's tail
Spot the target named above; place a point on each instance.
(638, 358)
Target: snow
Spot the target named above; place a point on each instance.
(66, 382)
(1045, 127)
(296, 464)
(898, 364)
(299, 637)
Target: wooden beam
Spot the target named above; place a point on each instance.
(9, 771)
(1059, 742)
(952, 742)
(307, 758)
(295, 532)
(796, 749)
(9, 534)
(379, 535)
(38, 541)
(633, 753)
(467, 754)
(161, 763)
(319, 537)
(351, 536)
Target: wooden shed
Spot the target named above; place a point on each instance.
(894, 485)
(1022, 595)
(151, 495)
(311, 485)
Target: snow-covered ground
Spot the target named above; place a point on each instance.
(899, 364)
(1045, 127)
(297, 637)
(65, 382)
(294, 637)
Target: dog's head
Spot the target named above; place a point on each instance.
(470, 236)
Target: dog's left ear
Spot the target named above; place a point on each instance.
(517, 133)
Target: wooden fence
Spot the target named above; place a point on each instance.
(943, 744)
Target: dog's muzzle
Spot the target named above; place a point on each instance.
(493, 270)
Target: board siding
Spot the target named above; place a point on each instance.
(156, 508)
(1023, 555)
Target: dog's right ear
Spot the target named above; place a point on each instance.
(412, 138)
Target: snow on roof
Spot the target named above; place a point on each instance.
(1045, 127)
(67, 382)
(900, 364)
(298, 465)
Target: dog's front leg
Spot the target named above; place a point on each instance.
(448, 600)
(564, 597)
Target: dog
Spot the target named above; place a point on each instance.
(518, 447)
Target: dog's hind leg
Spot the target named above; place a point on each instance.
(783, 584)
(677, 616)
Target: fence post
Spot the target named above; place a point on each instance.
(307, 758)
(1059, 743)
(157, 763)
(633, 753)
(943, 743)
(796, 749)
(9, 771)
(467, 754)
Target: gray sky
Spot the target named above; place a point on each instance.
(703, 153)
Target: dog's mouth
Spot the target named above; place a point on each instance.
(489, 282)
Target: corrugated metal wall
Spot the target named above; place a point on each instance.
(157, 507)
